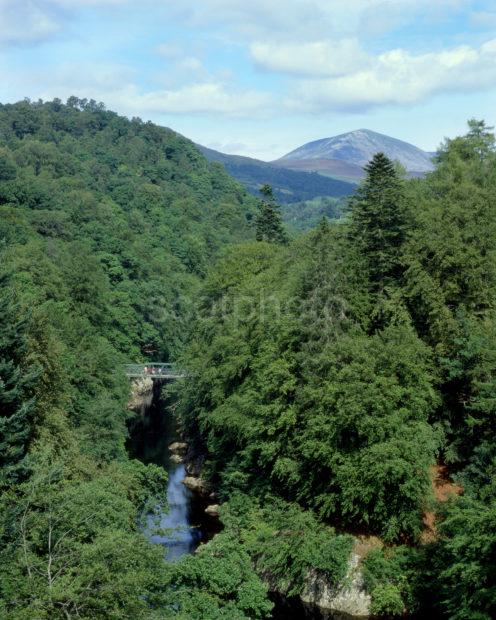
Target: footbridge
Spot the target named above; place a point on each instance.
(154, 371)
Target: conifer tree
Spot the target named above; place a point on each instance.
(480, 138)
(16, 381)
(269, 221)
(378, 221)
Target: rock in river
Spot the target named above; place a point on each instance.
(178, 447)
(195, 484)
(213, 510)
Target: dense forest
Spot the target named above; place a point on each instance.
(349, 370)
(301, 216)
(332, 378)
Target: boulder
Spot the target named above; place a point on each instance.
(176, 458)
(195, 484)
(213, 510)
(178, 447)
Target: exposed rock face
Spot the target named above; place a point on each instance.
(141, 395)
(194, 465)
(213, 510)
(195, 484)
(177, 459)
(349, 598)
(178, 447)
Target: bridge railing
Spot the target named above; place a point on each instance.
(154, 370)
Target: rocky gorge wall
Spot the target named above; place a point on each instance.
(141, 395)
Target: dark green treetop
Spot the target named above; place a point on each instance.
(17, 379)
(378, 221)
(269, 221)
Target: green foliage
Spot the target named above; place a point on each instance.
(66, 556)
(218, 582)
(366, 423)
(287, 543)
(269, 221)
(107, 227)
(336, 370)
(466, 564)
(131, 213)
(379, 221)
(302, 216)
(394, 577)
(18, 378)
(289, 394)
(386, 601)
(327, 375)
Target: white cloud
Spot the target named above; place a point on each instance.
(304, 20)
(484, 19)
(170, 50)
(319, 58)
(115, 85)
(399, 77)
(190, 65)
(32, 21)
(314, 42)
(26, 22)
(208, 98)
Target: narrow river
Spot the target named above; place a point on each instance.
(184, 523)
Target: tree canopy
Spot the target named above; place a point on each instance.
(331, 377)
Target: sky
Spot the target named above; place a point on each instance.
(261, 77)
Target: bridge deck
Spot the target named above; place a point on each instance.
(154, 371)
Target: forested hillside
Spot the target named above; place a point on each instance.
(289, 186)
(351, 369)
(335, 382)
(106, 228)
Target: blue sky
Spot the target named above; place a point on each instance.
(261, 77)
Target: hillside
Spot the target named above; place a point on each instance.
(329, 379)
(289, 186)
(345, 155)
(365, 366)
(107, 227)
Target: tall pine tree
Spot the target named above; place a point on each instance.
(269, 221)
(17, 379)
(379, 222)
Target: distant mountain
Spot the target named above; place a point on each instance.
(345, 155)
(289, 186)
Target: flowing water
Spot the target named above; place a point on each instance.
(177, 535)
(183, 525)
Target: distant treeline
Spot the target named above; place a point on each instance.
(289, 185)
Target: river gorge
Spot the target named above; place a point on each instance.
(185, 523)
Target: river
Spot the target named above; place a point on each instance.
(185, 523)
